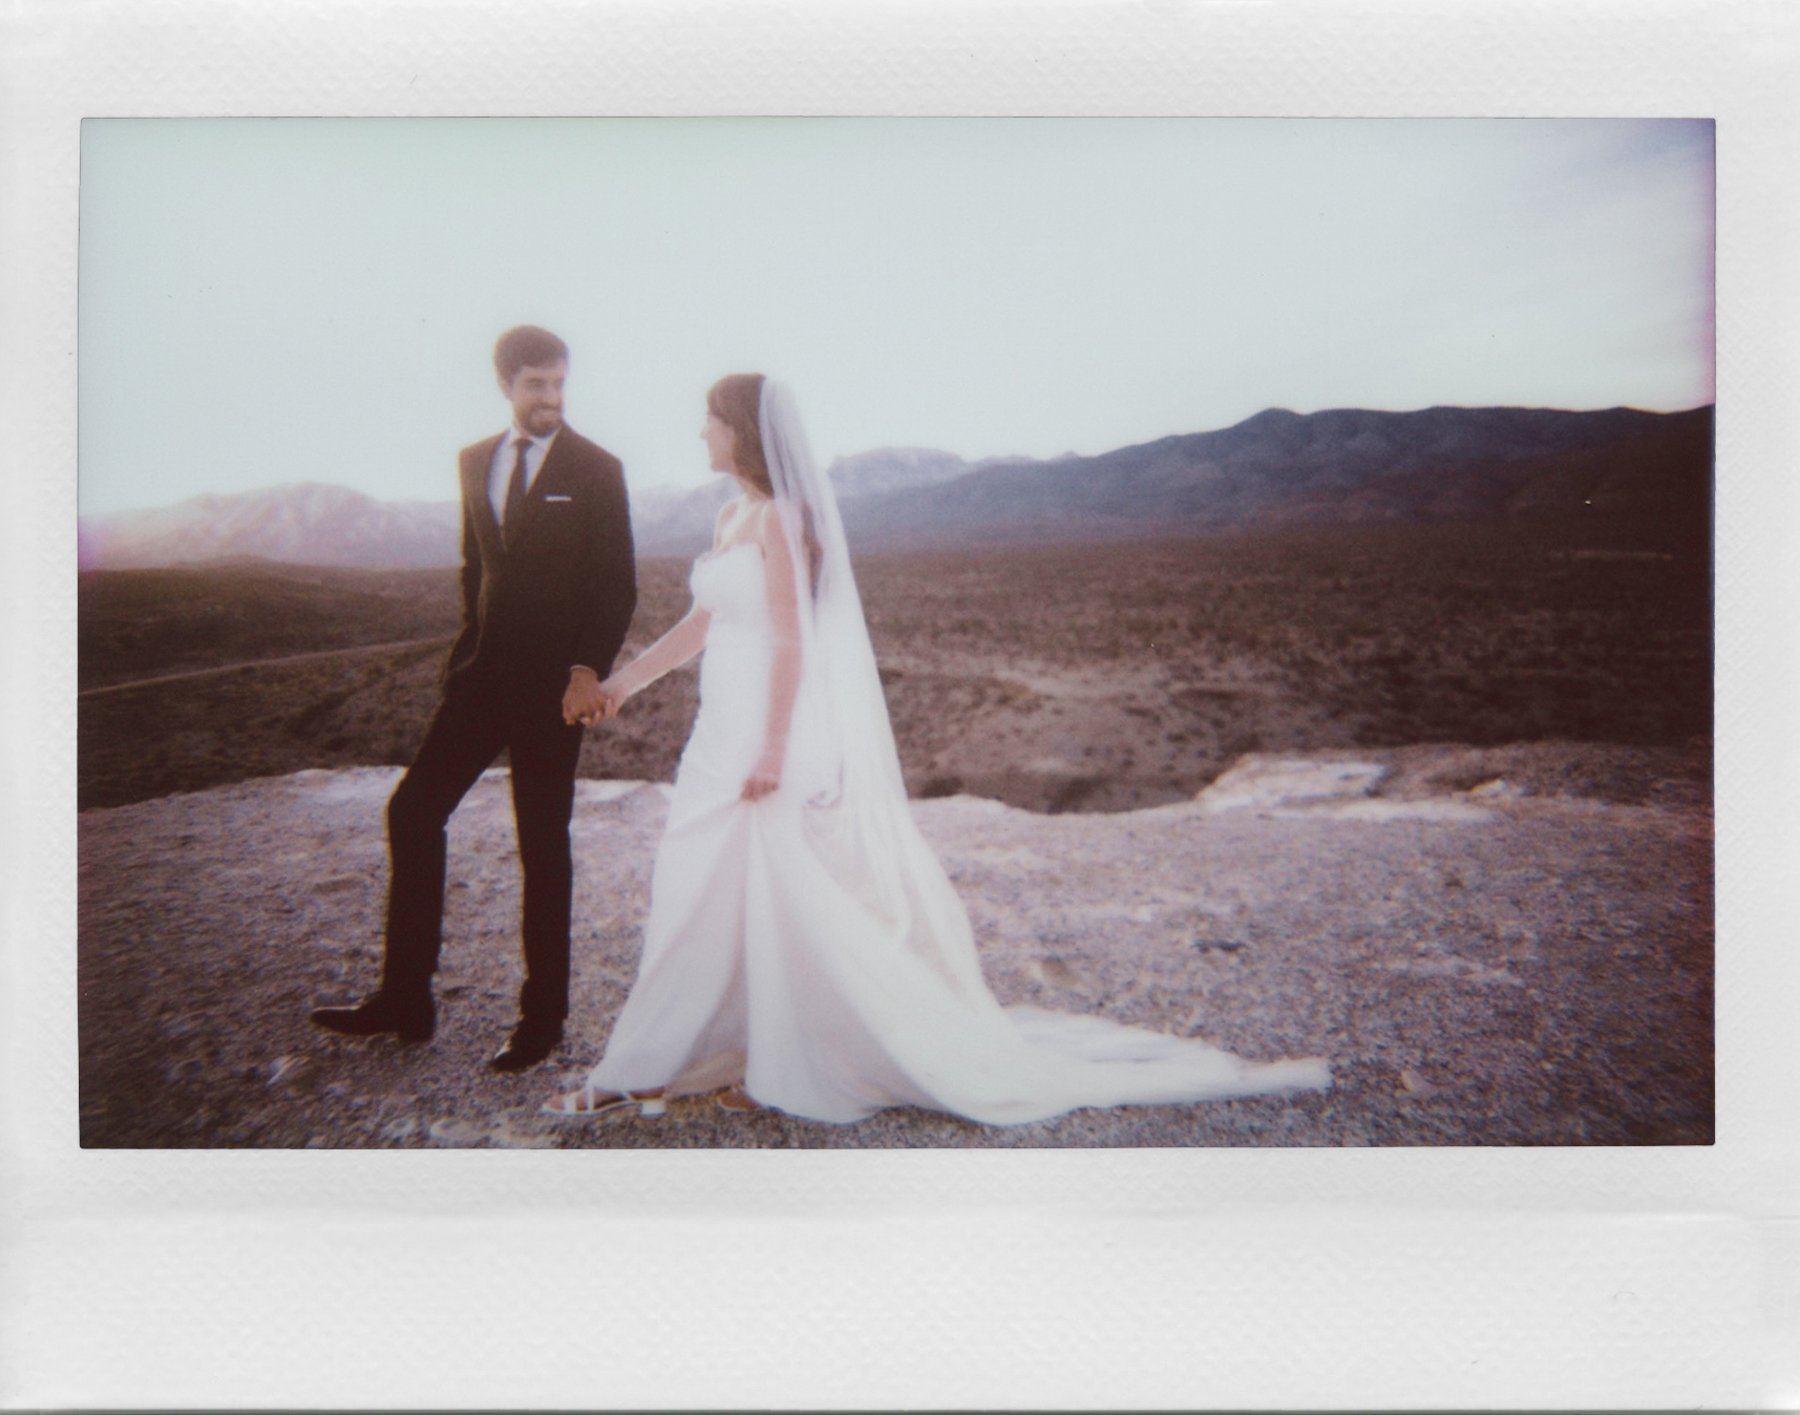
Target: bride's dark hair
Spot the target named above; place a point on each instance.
(736, 401)
(733, 400)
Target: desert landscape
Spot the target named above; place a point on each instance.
(1064, 677)
(1432, 800)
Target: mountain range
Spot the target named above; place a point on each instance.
(1278, 468)
(306, 524)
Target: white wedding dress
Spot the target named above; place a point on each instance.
(811, 944)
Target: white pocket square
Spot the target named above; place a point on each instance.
(550, 497)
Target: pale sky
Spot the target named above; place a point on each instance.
(279, 300)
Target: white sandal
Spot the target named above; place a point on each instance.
(582, 1104)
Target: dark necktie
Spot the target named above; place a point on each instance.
(512, 516)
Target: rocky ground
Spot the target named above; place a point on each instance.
(1496, 946)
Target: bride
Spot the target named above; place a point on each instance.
(804, 947)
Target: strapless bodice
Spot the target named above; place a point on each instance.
(729, 585)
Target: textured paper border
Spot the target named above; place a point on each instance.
(1618, 1278)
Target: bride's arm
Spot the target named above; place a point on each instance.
(784, 677)
(680, 645)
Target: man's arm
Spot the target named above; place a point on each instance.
(471, 586)
(608, 584)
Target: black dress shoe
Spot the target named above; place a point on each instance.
(529, 1044)
(411, 1021)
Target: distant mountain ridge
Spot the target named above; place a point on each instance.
(1341, 466)
(1277, 468)
(307, 523)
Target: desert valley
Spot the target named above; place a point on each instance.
(1383, 737)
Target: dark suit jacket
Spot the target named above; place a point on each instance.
(560, 588)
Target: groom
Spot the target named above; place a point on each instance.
(548, 587)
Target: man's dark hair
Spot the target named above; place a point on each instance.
(527, 345)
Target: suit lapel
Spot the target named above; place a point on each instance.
(475, 491)
(475, 494)
(548, 477)
(554, 465)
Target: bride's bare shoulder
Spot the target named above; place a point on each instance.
(745, 520)
(730, 517)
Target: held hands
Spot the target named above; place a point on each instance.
(765, 776)
(587, 700)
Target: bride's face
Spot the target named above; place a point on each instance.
(721, 444)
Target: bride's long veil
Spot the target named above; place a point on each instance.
(843, 750)
(965, 1053)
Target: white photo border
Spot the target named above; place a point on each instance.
(1055, 1279)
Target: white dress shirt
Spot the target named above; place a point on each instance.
(500, 468)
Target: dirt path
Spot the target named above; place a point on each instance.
(1522, 957)
(217, 670)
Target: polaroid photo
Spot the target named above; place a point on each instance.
(984, 705)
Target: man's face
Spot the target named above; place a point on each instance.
(536, 394)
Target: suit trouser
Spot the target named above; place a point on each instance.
(477, 718)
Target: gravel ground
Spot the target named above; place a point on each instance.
(1504, 946)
